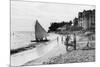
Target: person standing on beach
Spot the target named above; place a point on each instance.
(62, 39)
(74, 41)
(88, 44)
(57, 39)
(67, 42)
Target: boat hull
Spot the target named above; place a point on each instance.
(39, 40)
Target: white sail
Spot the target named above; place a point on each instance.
(40, 33)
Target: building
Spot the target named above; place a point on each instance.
(75, 21)
(86, 19)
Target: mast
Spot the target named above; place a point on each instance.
(40, 32)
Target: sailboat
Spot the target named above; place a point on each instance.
(40, 33)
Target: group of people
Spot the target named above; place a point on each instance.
(66, 41)
(71, 44)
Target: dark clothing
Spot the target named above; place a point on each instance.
(74, 42)
(70, 44)
(62, 39)
(67, 42)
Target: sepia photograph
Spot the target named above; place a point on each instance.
(45, 33)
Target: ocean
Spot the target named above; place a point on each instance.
(21, 39)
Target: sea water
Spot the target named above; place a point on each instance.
(21, 39)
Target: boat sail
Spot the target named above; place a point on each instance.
(40, 33)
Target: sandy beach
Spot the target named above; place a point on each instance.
(54, 52)
(60, 55)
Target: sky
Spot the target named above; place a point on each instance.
(24, 14)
